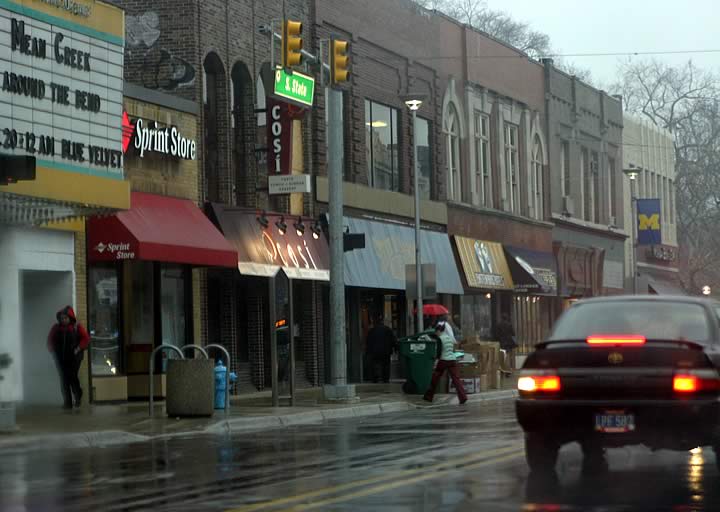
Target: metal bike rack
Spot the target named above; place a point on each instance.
(152, 369)
(227, 374)
(196, 347)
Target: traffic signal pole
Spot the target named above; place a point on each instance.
(338, 389)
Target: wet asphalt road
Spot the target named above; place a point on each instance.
(440, 458)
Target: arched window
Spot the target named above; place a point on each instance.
(243, 123)
(452, 131)
(536, 180)
(214, 105)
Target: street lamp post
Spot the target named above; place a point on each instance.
(414, 103)
(632, 174)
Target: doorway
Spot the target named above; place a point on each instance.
(42, 294)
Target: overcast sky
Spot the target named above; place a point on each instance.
(601, 26)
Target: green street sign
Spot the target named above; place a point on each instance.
(295, 87)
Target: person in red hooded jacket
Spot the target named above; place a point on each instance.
(68, 341)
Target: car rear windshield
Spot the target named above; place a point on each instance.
(654, 320)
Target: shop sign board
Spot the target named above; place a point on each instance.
(279, 138)
(484, 264)
(295, 87)
(289, 184)
(62, 85)
(148, 137)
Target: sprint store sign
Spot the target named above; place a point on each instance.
(61, 84)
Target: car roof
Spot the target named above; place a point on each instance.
(703, 301)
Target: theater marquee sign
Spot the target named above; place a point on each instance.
(61, 80)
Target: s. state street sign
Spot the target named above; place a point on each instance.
(296, 87)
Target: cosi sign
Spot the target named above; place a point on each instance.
(147, 136)
(279, 137)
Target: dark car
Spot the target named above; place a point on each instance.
(619, 371)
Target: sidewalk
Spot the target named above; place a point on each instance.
(107, 425)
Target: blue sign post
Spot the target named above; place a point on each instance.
(648, 222)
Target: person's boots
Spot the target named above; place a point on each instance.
(78, 397)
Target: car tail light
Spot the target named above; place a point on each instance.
(616, 339)
(539, 382)
(693, 381)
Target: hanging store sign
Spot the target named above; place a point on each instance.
(61, 94)
(148, 137)
(279, 138)
(289, 184)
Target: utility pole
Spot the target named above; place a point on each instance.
(338, 389)
(414, 102)
(632, 173)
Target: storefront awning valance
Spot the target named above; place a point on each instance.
(263, 251)
(159, 228)
(532, 271)
(389, 248)
(484, 264)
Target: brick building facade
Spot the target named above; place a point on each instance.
(213, 54)
(585, 127)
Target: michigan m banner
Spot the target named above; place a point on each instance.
(648, 221)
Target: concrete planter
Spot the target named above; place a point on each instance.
(190, 387)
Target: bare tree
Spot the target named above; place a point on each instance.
(686, 101)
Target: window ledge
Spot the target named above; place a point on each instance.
(590, 226)
(499, 213)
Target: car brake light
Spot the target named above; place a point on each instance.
(533, 383)
(616, 339)
(685, 384)
(692, 381)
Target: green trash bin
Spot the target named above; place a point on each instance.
(419, 353)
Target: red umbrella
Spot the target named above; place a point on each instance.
(434, 310)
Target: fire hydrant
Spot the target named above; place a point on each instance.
(221, 384)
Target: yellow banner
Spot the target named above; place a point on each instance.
(484, 264)
(90, 17)
(73, 187)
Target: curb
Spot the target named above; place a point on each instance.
(105, 438)
(305, 418)
(99, 439)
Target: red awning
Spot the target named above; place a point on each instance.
(159, 228)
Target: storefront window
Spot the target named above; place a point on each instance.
(531, 319)
(382, 146)
(142, 332)
(172, 289)
(477, 316)
(424, 157)
(103, 288)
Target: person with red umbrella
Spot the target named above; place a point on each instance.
(448, 362)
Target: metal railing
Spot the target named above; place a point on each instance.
(195, 347)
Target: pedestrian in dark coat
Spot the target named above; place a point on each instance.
(67, 342)
(381, 342)
(505, 334)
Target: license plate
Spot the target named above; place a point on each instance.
(614, 422)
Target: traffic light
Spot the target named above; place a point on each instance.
(16, 168)
(339, 61)
(291, 44)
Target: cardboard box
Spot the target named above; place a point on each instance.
(472, 385)
(469, 371)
